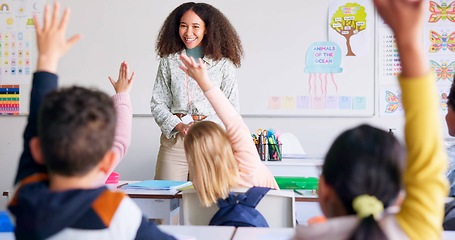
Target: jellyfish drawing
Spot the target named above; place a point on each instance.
(323, 60)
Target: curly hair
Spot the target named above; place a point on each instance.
(76, 127)
(221, 39)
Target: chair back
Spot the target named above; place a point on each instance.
(291, 144)
(277, 207)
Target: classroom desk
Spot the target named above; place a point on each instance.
(243, 233)
(307, 167)
(165, 205)
(228, 233)
(306, 206)
(199, 232)
(7, 236)
(448, 235)
(156, 204)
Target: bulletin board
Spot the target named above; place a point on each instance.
(302, 57)
(17, 53)
(300, 64)
(438, 38)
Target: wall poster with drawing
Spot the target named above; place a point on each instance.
(438, 39)
(17, 53)
(323, 67)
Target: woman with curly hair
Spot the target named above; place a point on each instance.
(201, 31)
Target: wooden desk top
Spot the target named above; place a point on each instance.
(305, 199)
(305, 196)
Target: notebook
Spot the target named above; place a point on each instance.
(157, 185)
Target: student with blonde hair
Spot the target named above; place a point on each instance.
(219, 160)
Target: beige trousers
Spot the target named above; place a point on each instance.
(171, 162)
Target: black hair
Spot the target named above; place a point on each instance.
(221, 39)
(76, 127)
(451, 97)
(365, 160)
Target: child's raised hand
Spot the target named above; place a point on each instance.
(403, 16)
(52, 43)
(196, 70)
(123, 84)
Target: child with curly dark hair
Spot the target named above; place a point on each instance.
(201, 31)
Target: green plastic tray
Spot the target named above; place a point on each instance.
(297, 182)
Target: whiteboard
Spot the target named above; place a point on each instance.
(275, 38)
(275, 62)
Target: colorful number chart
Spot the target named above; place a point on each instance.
(14, 55)
(16, 52)
(9, 99)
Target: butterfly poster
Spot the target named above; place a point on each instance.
(443, 69)
(390, 101)
(441, 41)
(441, 11)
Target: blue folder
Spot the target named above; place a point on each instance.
(5, 222)
(157, 185)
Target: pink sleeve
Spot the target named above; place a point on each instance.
(252, 171)
(122, 138)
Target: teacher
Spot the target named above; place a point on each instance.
(200, 31)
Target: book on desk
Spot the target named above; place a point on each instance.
(157, 185)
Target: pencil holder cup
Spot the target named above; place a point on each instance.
(274, 152)
(261, 151)
(269, 152)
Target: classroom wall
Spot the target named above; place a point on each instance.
(315, 134)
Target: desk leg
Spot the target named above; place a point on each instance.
(181, 212)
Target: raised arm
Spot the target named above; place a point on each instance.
(198, 71)
(405, 19)
(252, 171)
(123, 109)
(421, 213)
(52, 45)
